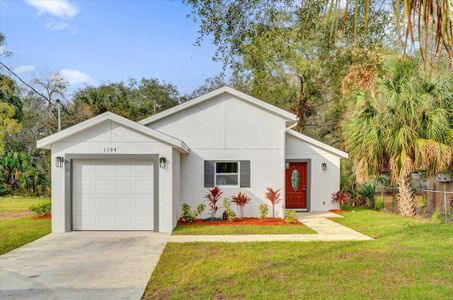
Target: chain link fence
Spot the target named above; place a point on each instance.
(430, 203)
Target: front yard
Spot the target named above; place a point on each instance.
(17, 227)
(409, 259)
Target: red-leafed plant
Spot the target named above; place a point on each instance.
(341, 197)
(241, 200)
(213, 196)
(274, 197)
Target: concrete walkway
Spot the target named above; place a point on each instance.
(326, 229)
(82, 265)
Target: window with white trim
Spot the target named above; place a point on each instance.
(227, 173)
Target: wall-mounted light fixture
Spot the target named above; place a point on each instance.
(324, 166)
(163, 162)
(59, 161)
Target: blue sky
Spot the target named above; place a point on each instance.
(100, 41)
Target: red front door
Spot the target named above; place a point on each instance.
(296, 185)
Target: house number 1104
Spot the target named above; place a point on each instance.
(109, 149)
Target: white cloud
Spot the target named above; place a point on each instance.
(75, 76)
(24, 69)
(59, 8)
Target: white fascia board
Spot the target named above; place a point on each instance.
(317, 143)
(290, 117)
(47, 141)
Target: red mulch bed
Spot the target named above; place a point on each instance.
(338, 211)
(43, 217)
(241, 221)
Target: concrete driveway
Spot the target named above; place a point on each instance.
(82, 265)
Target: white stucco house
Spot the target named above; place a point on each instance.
(111, 173)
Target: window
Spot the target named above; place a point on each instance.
(227, 173)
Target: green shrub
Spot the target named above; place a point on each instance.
(228, 213)
(379, 204)
(264, 210)
(199, 210)
(436, 217)
(2, 188)
(188, 215)
(347, 175)
(290, 216)
(367, 192)
(41, 209)
(423, 202)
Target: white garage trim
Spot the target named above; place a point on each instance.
(69, 173)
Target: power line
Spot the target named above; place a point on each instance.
(23, 81)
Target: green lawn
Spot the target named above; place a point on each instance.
(410, 259)
(240, 229)
(15, 229)
(17, 232)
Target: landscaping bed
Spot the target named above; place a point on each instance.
(241, 221)
(241, 226)
(338, 211)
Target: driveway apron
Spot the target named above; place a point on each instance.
(82, 265)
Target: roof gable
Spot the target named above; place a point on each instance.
(289, 117)
(317, 143)
(47, 141)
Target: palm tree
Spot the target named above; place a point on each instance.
(403, 125)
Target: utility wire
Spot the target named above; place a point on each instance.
(23, 81)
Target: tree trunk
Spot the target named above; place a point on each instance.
(302, 104)
(406, 199)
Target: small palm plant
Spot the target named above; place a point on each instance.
(241, 200)
(274, 197)
(213, 196)
(228, 213)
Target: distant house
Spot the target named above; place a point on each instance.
(110, 173)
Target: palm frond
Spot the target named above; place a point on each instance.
(426, 19)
